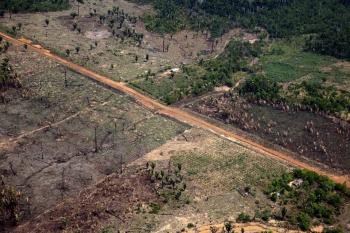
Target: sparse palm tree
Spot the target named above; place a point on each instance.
(14, 29)
(6, 46)
(77, 49)
(228, 227)
(179, 166)
(67, 52)
(75, 25)
(19, 25)
(214, 229)
(47, 22)
(73, 14)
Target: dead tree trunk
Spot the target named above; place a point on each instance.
(95, 141)
(65, 78)
(121, 164)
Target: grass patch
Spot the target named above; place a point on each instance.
(227, 172)
(282, 72)
(285, 62)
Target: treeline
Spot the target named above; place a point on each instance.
(14, 6)
(307, 94)
(235, 58)
(328, 21)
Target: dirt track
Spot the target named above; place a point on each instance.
(174, 112)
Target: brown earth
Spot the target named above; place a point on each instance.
(178, 114)
(111, 202)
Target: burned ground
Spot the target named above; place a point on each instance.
(309, 135)
(61, 133)
(109, 204)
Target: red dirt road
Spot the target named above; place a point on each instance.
(176, 113)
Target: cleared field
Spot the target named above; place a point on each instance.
(222, 179)
(62, 133)
(59, 135)
(217, 174)
(108, 49)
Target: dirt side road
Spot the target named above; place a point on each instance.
(175, 113)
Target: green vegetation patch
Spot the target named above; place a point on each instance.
(227, 172)
(313, 80)
(8, 77)
(14, 6)
(285, 62)
(169, 18)
(202, 77)
(308, 198)
(312, 94)
(282, 72)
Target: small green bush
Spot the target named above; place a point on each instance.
(191, 225)
(304, 221)
(243, 218)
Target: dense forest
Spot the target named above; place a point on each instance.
(325, 22)
(14, 6)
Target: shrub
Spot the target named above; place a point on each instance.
(265, 216)
(261, 88)
(10, 200)
(155, 208)
(243, 218)
(191, 225)
(8, 78)
(304, 221)
(333, 230)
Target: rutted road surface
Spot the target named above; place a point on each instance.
(175, 113)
